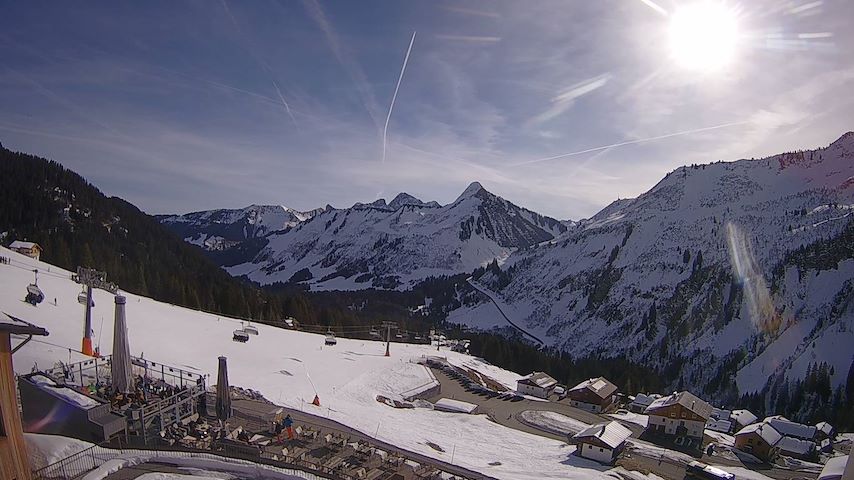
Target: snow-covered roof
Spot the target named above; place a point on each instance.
(449, 405)
(794, 445)
(540, 379)
(686, 399)
(744, 417)
(68, 394)
(824, 428)
(834, 468)
(643, 400)
(790, 428)
(12, 324)
(722, 426)
(767, 432)
(599, 386)
(612, 433)
(721, 414)
(20, 244)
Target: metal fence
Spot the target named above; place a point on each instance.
(77, 465)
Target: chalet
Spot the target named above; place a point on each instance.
(788, 428)
(602, 442)
(836, 467)
(595, 395)
(30, 249)
(797, 448)
(538, 384)
(640, 402)
(759, 440)
(681, 415)
(742, 418)
(824, 431)
(14, 461)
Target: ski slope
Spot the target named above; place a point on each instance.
(287, 366)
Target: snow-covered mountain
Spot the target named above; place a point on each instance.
(226, 228)
(745, 266)
(391, 245)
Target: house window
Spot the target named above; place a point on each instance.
(590, 447)
(681, 423)
(683, 414)
(673, 414)
(750, 441)
(601, 450)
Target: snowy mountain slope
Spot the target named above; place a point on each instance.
(391, 245)
(222, 229)
(705, 275)
(287, 366)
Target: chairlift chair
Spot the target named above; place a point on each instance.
(330, 338)
(35, 295)
(240, 336)
(375, 332)
(251, 329)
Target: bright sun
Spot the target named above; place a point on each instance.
(703, 35)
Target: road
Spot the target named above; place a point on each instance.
(506, 413)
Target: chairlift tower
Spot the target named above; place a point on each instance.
(388, 326)
(91, 278)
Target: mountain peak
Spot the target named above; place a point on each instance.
(473, 189)
(404, 198)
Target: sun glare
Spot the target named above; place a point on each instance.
(703, 35)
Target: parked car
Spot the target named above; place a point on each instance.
(707, 472)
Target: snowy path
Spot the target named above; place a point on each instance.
(497, 304)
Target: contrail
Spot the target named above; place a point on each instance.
(396, 88)
(628, 142)
(285, 103)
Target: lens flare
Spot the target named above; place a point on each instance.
(747, 272)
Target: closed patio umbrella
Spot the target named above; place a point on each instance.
(223, 396)
(121, 372)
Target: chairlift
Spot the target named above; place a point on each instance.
(35, 295)
(240, 336)
(330, 338)
(375, 332)
(251, 329)
(81, 298)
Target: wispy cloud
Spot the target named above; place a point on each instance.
(471, 11)
(468, 38)
(345, 58)
(629, 142)
(561, 102)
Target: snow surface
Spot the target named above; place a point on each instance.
(635, 418)
(46, 450)
(348, 376)
(552, 422)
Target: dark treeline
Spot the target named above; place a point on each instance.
(809, 400)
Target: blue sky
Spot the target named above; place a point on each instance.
(181, 106)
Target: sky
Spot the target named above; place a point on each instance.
(181, 106)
